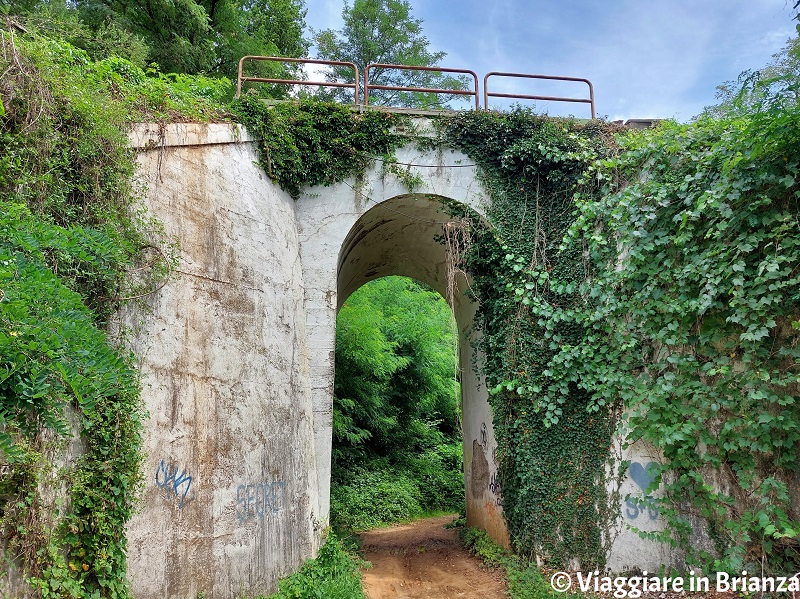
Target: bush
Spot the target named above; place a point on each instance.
(439, 475)
(374, 499)
(332, 575)
(525, 579)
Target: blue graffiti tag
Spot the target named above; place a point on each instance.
(635, 507)
(257, 500)
(168, 477)
(643, 476)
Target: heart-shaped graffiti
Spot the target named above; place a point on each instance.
(643, 475)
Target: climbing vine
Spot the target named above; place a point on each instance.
(71, 242)
(318, 143)
(671, 306)
(691, 319)
(553, 450)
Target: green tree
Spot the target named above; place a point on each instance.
(397, 443)
(395, 386)
(384, 31)
(181, 36)
(778, 81)
(257, 28)
(178, 32)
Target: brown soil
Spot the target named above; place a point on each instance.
(423, 559)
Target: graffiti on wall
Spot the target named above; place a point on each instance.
(493, 482)
(643, 476)
(494, 487)
(256, 500)
(173, 480)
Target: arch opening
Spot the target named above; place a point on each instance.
(404, 236)
(397, 449)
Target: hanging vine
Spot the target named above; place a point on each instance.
(553, 450)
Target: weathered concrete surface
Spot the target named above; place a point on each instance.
(230, 501)
(237, 354)
(629, 552)
(353, 233)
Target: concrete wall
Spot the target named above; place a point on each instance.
(237, 355)
(230, 500)
(629, 552)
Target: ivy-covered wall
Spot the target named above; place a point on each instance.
(635, 285)
(645, 283)
(553, 448)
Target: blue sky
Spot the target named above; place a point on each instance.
(646, 58)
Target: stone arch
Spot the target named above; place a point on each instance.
(355, 231)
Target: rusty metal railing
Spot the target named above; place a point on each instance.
(487, 94)
(367, 86)
(242, 79)
(400, 88)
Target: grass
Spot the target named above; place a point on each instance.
(334, 574)
(525, 579)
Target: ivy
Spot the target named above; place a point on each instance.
(553, 447)
(318, 143)
(673, 299)
(70, 239)
(691, 319)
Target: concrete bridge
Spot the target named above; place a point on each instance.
(237, 355)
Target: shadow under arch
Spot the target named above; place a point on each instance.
(404, 236)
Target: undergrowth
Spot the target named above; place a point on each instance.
(74, 247)
(525, 579)
(397, 451)
(333, 574)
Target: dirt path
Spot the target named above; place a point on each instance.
(423, 559)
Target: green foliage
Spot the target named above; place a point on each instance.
(675, 297)
(52, 352)
(754, 90)
(257, 28)
(552, 450)
(396, 438)
(479, 543)
(395, 369)
(180, 36)
(152, 96)
(332, 575)
(691, 320)
(69, 240)
(61, 20)
(374, 498)
(384, 31)
(525, 580)
(316, 143)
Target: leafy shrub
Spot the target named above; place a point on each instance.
(332, 575)
(525, 579)
(439, 475)
(481, 544)
(373, 499)
(69, 238)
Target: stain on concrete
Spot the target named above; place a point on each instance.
(480, 470)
